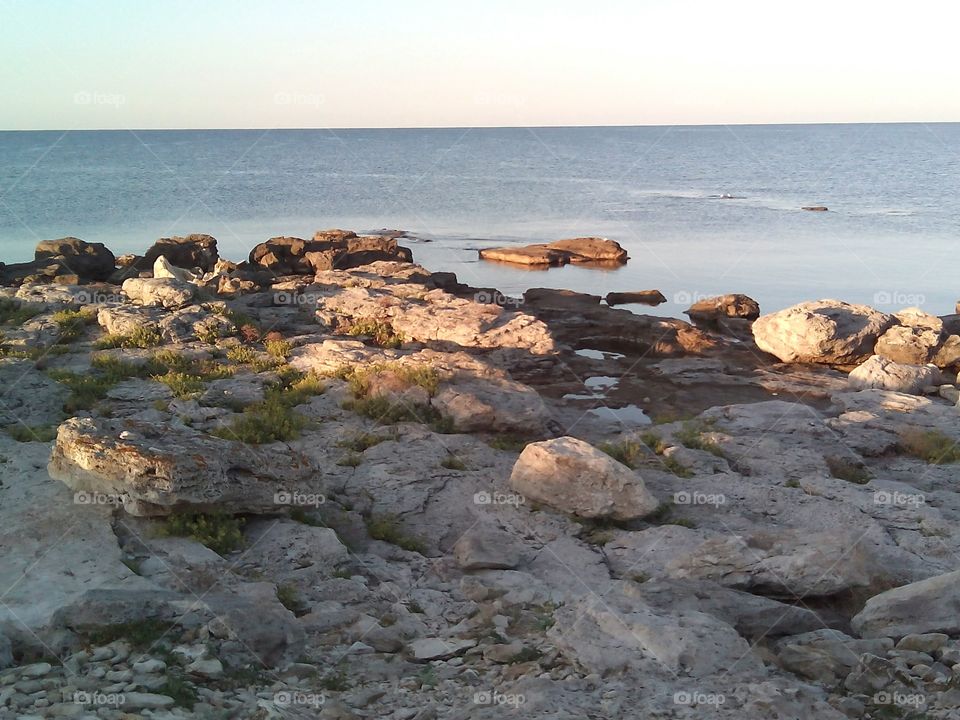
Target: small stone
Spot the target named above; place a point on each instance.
(146, 701)
(101, 653)
(150, 666)
(117, 676)
(36, 670)
(502, 653)
(923, 642)
(211, 668)
(426, 649)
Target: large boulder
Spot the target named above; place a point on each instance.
(879, 372)
(930, 605)
(724, 306)
(163, 292)
(824, 331)
(574, 477)
(156, 470)
(193, 251)
(89, 261)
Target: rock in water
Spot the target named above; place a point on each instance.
(644, 297)
(574, 477)
(89, 261)
(878, 372)
(161, 470)
(561, 252)
(931, 605)
(734, 305)
(824, 331)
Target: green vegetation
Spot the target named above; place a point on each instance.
(639, 577)
(143, 337)
(663, 515)
(16, 313)
(380, 331)
(427, 676)
(654, 442)
(691, 435)
(452, 462)
(527, 654)
(510, 443)
(181, 384)
(351, 460)
(361, 441)
(140, 633)
(242, 354)
(278, 348)
(848, 470)
(359, 378)
(184, 695)
(386, 527)
(931, 446)
(274, 419)
(289, 597)
(383, 411)
(337, 680)
(625, 451)
(220, 532)
(32, 433)
(73, 323)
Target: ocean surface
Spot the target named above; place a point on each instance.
(701, 210)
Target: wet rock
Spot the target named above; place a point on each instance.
(825, 331)
(572, 476)
(561, 252)
(712, 309)
(643, 297)
(548, 297)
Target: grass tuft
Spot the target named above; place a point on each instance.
(386, 527)
(931, 446)
(220, 532)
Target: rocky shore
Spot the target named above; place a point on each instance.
(327, 482)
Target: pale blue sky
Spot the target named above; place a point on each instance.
(371, 63)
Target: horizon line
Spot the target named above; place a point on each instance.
(492, 127)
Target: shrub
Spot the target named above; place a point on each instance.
(218, 531)
(32, 433)
(380, 331)
(143, 337)
(241, 354)
(931, 446)
(271, 420)
(625, 451)
(85, 389)
(844, 469)
(386, 527)
(361, 441)
(358, 378)
(280, 349)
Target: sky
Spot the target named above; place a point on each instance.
(90, 64)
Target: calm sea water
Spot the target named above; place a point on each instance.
(889, 239)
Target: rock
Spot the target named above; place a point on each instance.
(485, 548)
(914, 342)
(29, 397)
(502, 652)
(163, 269)
(643, 297)
(712, 309)
(329, 250)
(88, 261)
(826, 655)
(426, 649)
(825, 331)
(145, 701)
(815, 208)
(871, 674)
(164, 292)
(6, 652)
(879, 372)
(923, 642)
(159, 470)
(618, 632)
(210, 669)
(548, 297)
(572, 476)
(193, 251)
(927, 606)
(561, 252)
(149, 666)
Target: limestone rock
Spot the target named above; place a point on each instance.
(163, 269)
(561, 252)
(165, 292)
(880, 372)
(825, 331)
(486, 548)
(572, 476)
(724, 306)
(193, 251)
(159, 470)
(926, 606)
(435, 648)
(89, 261)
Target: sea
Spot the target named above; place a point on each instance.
(702, 210)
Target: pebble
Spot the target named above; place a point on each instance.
(150, 666)
(101, 653)
(36, 670)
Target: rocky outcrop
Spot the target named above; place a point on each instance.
(927, 606)
(329, 250)
(196, 251)
(65, 261)
(712, 309)
(574, 477)
(879, 372)
(560, 252)
(156, 470)
(825, 331)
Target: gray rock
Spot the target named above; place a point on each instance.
(879, 372)
(485, 547)
(163, 292)
(436, 648)
(931, 605)
(925, 642)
